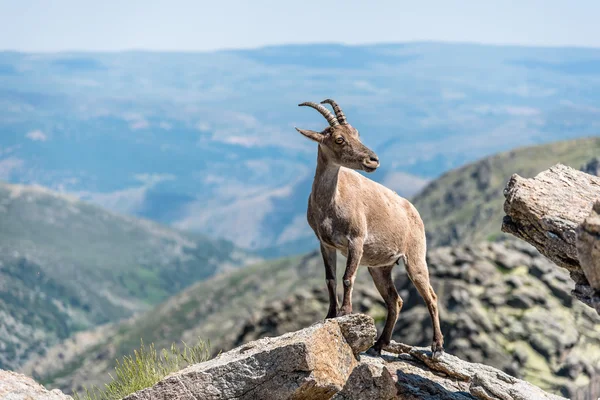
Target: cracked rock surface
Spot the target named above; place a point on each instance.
(318, 362)
(550, 211)
(313, 363)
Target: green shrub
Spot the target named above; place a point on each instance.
(145, 368)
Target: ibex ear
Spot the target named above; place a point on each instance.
(312, 135)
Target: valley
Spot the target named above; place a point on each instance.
(213, 133)
(67, 265)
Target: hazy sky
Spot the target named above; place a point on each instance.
(51, 25)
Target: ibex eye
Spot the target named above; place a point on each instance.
(339, 140)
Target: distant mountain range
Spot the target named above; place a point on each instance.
(496, 298)
(277, 296)
(66, 266)
(205, 141)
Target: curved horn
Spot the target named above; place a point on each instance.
(338, 111)
(324, 112)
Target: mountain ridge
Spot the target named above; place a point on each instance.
(465, 204)
(66, 265)
(209, 129)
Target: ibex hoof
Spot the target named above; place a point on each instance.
(373, 351)
(344, 311)
(436, 351)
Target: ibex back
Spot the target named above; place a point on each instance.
(370, 224)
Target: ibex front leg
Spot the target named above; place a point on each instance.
(355, 252)
(329, 260)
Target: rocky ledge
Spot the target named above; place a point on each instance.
(326, 361)
(15, 386)
(555, 212)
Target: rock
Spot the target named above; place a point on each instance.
(522, 247)
(484, 382)
(462, 255)
(499, 386)
(540, 267)
(15, 386)
(517, 301)
(318, 363)
(525, 298)
(369, 380)
(358, 330)
(592, 167)
(557, 280)
(483, 175)
(588, 246)
(551, 337)
(515, 281)
(495, 295)
(510, 260)
(587, 295)
(313, 363)
(548, 211)
(511, 315)
(572, 367)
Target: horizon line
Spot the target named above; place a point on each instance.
(299, 44)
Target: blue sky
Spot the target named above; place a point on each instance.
(57, 25)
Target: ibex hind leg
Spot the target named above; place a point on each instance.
(418, 273)
(382, 276)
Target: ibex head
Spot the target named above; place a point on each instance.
(340, 142)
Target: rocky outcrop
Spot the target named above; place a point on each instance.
(414, 375)
(15, 386)
(547, 211)
(588, 247)
(323, 361)
(313, 363)
(588, 251)
(506, 305)
(501, 303)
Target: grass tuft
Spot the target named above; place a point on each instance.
(145, 368)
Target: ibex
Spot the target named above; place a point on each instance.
(369, 223)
